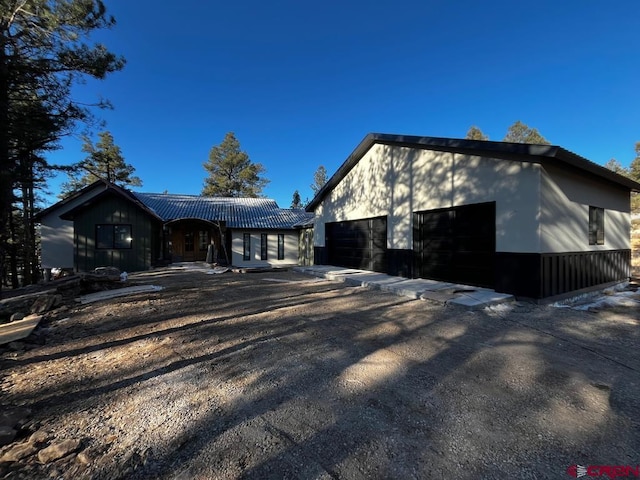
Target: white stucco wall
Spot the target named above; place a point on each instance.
(397, 181)
(566, 197)
(290, 248)
(56, 235)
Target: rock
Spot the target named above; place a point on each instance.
(12, 416)
(58, 450)
(39, 438)
(16, 316)
(43, 303)
(18, 452)
(109, 271)
(7, 434)
(87, 456)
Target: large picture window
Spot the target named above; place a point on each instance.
(109, 236)
(246, 247)
(281, 246)
(596, 226)
(263, 246)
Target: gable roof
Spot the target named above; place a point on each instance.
(236, 212)
(66, 203)
(504, 150)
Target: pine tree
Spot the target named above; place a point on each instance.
(616, 166)
(521, 133)
(634, 168)
(104, 161)
(319, 179)
(231, 172)
(44, 52)
(296, 202)
(474, 133)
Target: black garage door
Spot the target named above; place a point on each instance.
(358, 244)
(456, 244)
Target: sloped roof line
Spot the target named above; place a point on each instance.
(518, 151)
(236, 212)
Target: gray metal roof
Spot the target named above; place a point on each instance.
(236, 212)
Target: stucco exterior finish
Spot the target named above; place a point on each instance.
(290, 248)
(565, 200)
(396, 181)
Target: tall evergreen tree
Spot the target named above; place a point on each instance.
(521, 133)
(617, 167)
(319, 179)
(104, 161)
(44, 51)
(474, 133)
(296, 202)
(231, 172)
(634, 168)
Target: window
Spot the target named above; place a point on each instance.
(263, 246)
(188, 242)
(596, 226)
(204, 241)
(110, 236)
(281, 246)
(246, 245)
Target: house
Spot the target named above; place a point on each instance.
(106, 225)
(537, 221)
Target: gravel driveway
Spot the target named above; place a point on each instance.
(281, 375)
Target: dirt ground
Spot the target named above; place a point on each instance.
(281, 375)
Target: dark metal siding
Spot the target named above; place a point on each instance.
(358, 244)
(112, 209)
(545, 275)
(456, 244)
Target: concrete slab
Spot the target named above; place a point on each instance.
(368, 279)
(444, 292)
(481, 298)
(119, 292)
(10, 332)
(438, 296)
(407, 288)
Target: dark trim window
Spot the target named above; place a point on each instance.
(263, 246)
(246, 246)
(203, 241)
(596, 226)
(110, 236)
(281, 246)
(188, 242)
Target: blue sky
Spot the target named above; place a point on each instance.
(301, 83)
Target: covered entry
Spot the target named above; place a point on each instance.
(358, 244)
(456, 244)
(190, 240)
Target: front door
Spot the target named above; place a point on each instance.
(190, 244)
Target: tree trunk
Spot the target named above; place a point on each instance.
(12, 250)
(5, 172)
(28, 243)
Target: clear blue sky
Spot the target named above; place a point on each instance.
(301, 83)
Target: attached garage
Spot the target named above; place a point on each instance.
(456, 244)
(358, 244)
(537, 221)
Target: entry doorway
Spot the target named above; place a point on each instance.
(190, 241)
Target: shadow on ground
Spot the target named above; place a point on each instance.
(256, 376)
